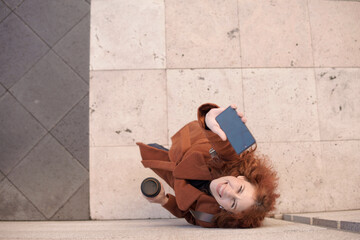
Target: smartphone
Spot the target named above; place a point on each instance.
(236, 131)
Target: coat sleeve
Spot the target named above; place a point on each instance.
(222, 148)
(173, 208)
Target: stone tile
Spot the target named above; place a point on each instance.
(20, 49)
(74, 48)
(4, 11)
(14, 206)
(202, 35)
(49, 90)
(127, 106)
(350, 226)
(275, 34)
(342, 170)
(324, 223)
(2, 90)
(339, 103)
(48, 176)
(300, 219)
(77, 208)
(348, 215)
(335, 37)
(301, 173)
(134, 39)
(188, 89)
(13, 3)
(73, 132)
(280, 104)
(1, 176)
(52, 19)
(116, 176)
(19, 132)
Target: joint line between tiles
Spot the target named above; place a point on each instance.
(311, 36)
(68, 111)
(167, 108)
(32, 66)
(166, 77)
(324, 166)
(41, 57)
(5, 176)
(77, 23)
(27, 199)
(56, 124)
(43, 40)
(26, 154)
(49, 46)
(238, 23)
(76, 191)
(3, 179)
(11, 10)
(69, 66)
(241, 60)
(68, 151)
(37, 141)
(3, 86)
(6, 16)
(215, 68)
(47, 131)
(165, 38)
(314, 73)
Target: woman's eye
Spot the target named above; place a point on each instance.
(233, 205)
(240, 189)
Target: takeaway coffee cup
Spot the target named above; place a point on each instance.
(150, 187)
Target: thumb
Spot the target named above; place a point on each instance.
(219, 132)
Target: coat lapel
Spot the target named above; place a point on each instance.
(193, 166)
(186, 194)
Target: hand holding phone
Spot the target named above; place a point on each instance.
(236, 131)
(214, 126)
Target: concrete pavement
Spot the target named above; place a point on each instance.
(162, 229)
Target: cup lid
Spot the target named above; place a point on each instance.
(150, 187)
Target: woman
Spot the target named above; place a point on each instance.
(212, 190)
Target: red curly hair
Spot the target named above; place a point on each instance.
(259, 173)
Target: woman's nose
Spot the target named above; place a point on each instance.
(228, 192)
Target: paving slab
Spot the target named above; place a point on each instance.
(162, 229)
(344, 220)
(353, 215)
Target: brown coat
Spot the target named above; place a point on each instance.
(187, 160)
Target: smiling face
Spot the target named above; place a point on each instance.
(235, 194)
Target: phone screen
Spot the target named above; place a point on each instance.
(236, 131)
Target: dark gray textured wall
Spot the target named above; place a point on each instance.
(44, 119)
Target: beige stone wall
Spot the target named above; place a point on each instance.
(293, 67)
